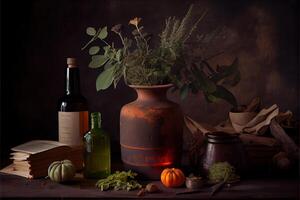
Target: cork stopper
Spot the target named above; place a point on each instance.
(71, 62)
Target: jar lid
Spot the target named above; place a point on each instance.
(222, 137)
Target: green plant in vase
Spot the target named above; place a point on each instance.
(151, 126)
(139, 64)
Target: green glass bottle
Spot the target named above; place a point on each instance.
(97, 150)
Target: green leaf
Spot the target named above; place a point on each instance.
(106, 50)
(91, 31)
(184, 92)
(231, 80)
(98, 61)
(226, 71)
(94, 50)
(103, 33)
(223, 93)
(118, 55)
(211, 98)
(105, 79)
(203, 81)
(208, 85)
(107, 65)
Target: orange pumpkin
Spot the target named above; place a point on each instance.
(172, 177)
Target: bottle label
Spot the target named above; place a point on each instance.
(72, 126)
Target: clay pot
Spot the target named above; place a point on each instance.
(223, 147)
(151, 132)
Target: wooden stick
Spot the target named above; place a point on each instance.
(190, 192)
(217, 187)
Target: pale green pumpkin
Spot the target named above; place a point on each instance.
(61, 171)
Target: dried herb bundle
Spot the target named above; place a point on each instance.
(222, 171)
(119, 181)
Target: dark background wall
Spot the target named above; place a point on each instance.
(38, 35)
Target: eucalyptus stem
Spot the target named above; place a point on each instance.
(87, 44)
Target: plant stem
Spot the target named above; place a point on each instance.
(124, 45)
(92, 40)
(195, 25)
(87, 44)
(106, 43)
(137, 43)
(146, 43)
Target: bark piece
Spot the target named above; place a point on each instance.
(288, 144)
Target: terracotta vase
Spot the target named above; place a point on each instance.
(151, 132)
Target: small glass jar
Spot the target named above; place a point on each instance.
(223, 147)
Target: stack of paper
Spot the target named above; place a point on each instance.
(33, 158)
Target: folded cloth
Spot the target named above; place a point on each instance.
(256, 123)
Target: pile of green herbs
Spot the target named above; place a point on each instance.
(138, 64)
(222, 171)
(119, 181)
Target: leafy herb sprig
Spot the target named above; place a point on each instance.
(221, 173)
(119, 181)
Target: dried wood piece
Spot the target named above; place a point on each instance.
(217, 187)
(253, 139)
(190, 192)
(263, 118)
(288, 144)
(284, 117)
(194, 126)
(282, 161)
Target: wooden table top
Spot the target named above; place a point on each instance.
(15, 186)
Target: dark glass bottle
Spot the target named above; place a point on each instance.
(72, 109)
(97, 150)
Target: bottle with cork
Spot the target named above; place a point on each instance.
(72, 109)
